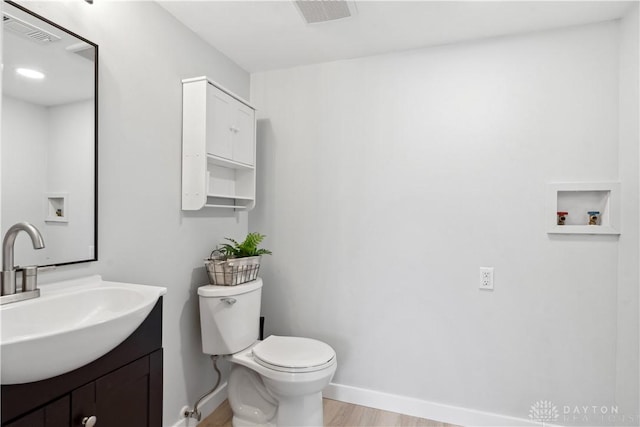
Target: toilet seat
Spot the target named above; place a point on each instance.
(293, 354)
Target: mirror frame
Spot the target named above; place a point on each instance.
(95, 134)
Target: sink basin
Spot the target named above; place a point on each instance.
(71, 324)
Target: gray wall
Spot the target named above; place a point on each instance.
(27, 125)
(356, 214)
(628, 378)
(143, 235)
(388, 181)
(58, 143)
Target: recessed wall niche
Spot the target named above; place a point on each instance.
(56, 207)
(580, 201)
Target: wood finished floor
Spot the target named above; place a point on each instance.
(338, 414)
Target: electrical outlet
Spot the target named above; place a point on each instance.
(486, 278)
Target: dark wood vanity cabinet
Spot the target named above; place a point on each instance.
(53, 414)
(121, 389)
(121, 398)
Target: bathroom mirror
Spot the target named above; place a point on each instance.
(49, 138)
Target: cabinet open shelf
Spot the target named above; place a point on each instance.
(227, 163)
(226, 206)
(228, 196)
(229, 202)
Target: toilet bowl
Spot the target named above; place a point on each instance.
(275, 382)
(263, 391)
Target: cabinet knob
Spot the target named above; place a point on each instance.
(89, 421)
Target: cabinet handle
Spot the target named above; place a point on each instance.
(89, 421)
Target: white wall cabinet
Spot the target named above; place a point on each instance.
(218, 147)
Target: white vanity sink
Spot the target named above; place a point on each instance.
(71, 324)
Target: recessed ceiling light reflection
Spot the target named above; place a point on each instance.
(29, 73)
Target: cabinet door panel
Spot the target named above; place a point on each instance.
(34, 419)
(219, 122)
(57, 414)
(155, 389)
(118, 399)
(126, 405)
(122, 397)
(243, 146)
(83, 404)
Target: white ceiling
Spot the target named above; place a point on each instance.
(69, 77)
(264, 35)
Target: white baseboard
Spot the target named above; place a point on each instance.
(387, 402)
(207, 406)
(421, 408)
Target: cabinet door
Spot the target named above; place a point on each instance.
(122, 397)
(127, 397)
(220, 128)
(244, 134)
(55, 414)
(83, 404)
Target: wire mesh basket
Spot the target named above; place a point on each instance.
(231, 272)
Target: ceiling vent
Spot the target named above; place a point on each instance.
(28, 30)
(315, 11)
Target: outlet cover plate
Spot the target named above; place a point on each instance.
(486, 278)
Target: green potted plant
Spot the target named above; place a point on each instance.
(248, 248)
(235, 263)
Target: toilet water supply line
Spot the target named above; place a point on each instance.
(194, 413)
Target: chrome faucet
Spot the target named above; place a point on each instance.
(29, 274)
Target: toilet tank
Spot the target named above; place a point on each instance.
(229, 317)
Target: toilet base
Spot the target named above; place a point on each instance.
(240, 422)
(265, 397)
(253, 405)
(300, 411)
(305, 411)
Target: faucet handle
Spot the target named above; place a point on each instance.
(29, 278)
(8, 281)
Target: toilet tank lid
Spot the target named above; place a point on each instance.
(213, 291)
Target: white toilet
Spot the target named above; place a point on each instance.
(275, 382)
